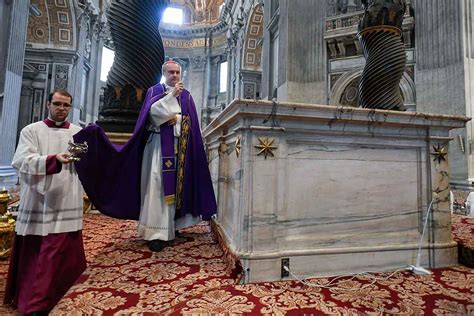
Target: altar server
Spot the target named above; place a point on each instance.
(48, 252)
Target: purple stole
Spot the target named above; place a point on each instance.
(168, 163)
(168, 159)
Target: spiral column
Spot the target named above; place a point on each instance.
(384, 51)
(139, 54)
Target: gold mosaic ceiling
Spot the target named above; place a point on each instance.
(52, 25)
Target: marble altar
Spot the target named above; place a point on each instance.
(333, 189)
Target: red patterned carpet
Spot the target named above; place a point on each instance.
(193, 277)
(463, 234)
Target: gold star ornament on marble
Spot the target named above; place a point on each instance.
(265, 146)
(223, 149)
(439, 153)
(238, 147)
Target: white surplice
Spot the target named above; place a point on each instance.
(49, 203)
(156, 217)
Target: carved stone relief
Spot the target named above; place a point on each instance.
(61, 76)
(197, 62)
(349, 96)
(249, 91)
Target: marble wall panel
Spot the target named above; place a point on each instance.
(341, 195)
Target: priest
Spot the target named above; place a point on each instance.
(48, 252)
(160, 177)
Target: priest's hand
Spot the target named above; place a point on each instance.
(178, 88)
(64, 158)
(173, 121)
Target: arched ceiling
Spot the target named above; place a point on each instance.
(253, 49)
(51, 24)
(53, 21)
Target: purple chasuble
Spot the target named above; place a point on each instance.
(110, 174)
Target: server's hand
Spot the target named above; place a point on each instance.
(64, 158)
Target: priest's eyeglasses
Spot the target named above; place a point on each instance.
(59, 104)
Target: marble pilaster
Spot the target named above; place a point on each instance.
(196, 78)
(79, 77)
(250, 81)
(444, 70)
(300, 77)
(15, 14)
(94, 83)
(212, 105)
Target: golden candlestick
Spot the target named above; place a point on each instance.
(7, 225)
(4, 199)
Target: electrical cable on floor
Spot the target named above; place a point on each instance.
(417, 268)
(330, 283)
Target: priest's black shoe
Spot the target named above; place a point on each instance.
(156, 245)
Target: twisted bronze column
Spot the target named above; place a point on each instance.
(380, 37)
(139, 54)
